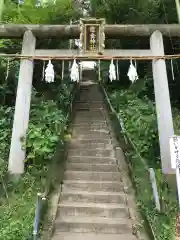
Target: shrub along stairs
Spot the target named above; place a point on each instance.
(95, 202)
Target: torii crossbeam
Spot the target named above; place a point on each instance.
(73, 31)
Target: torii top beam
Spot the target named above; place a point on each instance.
(73, 31)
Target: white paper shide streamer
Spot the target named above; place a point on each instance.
(49, 72)
(132, 73)
(112, 71)
(74, 72)
(78, 43)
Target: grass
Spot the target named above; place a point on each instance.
(18, 210)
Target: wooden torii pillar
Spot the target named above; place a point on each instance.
(23, 99)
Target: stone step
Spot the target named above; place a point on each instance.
(90, 153)
(88, 176)
(92, 167)
(87, 98)
(91, 111)
(97, 115)
(89, 107)
(92, 236)
(101, 122)
(91, 131)
(89, 124)
(109, 186)
(97, 160)
(92, 210)
(90, 135)
(89, 116)
(93, 225)
(90, 121)
(90, 102)
(95, 197)
(94, 146)
(82, 108)
(91, 138)
(90, 141)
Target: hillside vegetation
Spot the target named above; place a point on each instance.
(48, 118)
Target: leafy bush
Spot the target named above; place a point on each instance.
(44, 131)
(48, 123)
(6, 114)
(140, 121)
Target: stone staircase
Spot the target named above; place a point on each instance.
(93, 203)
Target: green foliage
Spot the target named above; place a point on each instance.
(134, 12)
(6, 114)
(48, 123)
(140, 120)
(141, 129)
(17, 212)
(44, 130)
(28, 13)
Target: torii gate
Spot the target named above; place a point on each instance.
(88, 51)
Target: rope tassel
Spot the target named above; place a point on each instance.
(8, 69)
(99, 70)
(172, 70)
(117, 69)
(49, 72)
(62, 73)
(43, 71)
